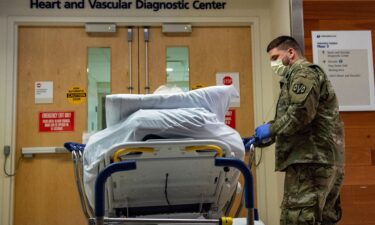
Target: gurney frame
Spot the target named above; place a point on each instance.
(97, 216)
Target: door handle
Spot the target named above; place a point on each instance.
(146, 34)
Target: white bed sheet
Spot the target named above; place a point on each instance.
(215, 99)
(198, 123)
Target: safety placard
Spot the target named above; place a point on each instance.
(43, 92)
(230, 118)
(197, 86)
(230, 78)
(56, 121)
(76, 95)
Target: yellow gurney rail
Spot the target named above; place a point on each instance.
(207, 148)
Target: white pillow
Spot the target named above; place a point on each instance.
(215, 99)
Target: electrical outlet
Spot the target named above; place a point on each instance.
(6, 150)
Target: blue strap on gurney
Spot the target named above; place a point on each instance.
(253, 140)
(71, 146)
(248, 141)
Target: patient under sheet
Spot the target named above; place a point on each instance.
(204, 121)
(215, 99)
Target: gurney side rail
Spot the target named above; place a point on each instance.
(131, 165)
(77, 150)
(78, 174)
(248, 186)
(153, 221)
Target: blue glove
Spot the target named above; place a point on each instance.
(263, 131)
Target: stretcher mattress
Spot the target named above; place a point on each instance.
(197, 114)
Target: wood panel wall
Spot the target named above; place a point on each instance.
(358, 192)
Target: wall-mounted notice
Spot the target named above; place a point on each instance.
(76, 95)
(230, 118)
(230, 78)
(127, 5)
(56, 121)
(346, 57)
(43, 92)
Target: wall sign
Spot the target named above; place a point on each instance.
(197, 86)
(43, 92)
(346, 57)
(128, 4)
(230, 78)
(230, 118)
(76, 95)
(56, 121)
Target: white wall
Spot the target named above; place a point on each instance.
(269, 199)
(5, 125)
(4, 187)
(269, 18)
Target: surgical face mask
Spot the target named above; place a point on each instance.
(278, 67)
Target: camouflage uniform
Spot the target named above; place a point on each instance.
(309, 146)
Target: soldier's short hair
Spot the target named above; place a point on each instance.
(283, 43)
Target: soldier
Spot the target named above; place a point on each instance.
(309, 137)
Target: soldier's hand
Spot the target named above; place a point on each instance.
(263, 131)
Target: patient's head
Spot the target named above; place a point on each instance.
(167, 89)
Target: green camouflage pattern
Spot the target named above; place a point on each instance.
(307, 124)
(311, 195)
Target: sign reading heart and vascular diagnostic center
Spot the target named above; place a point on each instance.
(128, 4)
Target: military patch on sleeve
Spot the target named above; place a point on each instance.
(299, 88)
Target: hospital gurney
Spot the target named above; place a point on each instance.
(174, 181)
(176, 176)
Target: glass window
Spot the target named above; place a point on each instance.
(99, 85)
(177, 67)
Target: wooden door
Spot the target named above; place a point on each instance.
(211, 50)
(45, 191)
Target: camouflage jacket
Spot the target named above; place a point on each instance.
(307, 124)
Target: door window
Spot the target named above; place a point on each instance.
(99, 85)
(177, 67)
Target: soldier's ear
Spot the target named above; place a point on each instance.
(292, 54)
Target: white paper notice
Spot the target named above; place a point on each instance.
(230, 78)
(43, 92)
(346, 57)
